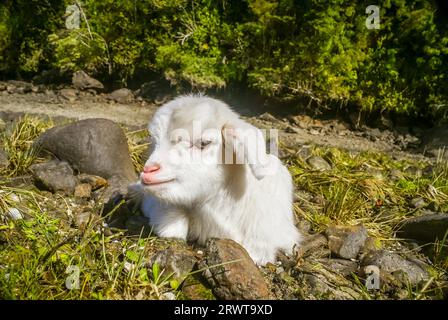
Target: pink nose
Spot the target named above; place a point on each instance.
(149, 173)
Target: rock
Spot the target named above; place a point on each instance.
(95, 182)
(168, 296)
(239, 279)
(340, 126)
(2, 87)
(4, 162)
(302, 121)
(312, 244)
(426, 228)
(83, 190)
(304, 226)
(20, 87)
(15, 214)
(346, 241)
(340, 266)
(115, 186)
(418, 203)
(82, 81)
(318, 163)
(435, 142)
(390, 263)
(137, 225)
(92, 146)
(156, 90)
(268, 117)
(55, 176)
(69, 94)
(123, 95)
(176, 261)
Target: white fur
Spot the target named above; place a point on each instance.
(250, 203)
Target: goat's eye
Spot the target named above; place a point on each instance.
(202, 144)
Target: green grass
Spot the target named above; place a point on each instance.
(19, 144)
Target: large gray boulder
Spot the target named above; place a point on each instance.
(92, 146)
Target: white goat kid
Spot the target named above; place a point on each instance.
(192, 192)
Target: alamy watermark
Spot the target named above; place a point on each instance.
(373, 20)
(72, 281)
(72, 17)
(373, 277)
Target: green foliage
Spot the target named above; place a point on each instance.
(79, 50)
(312, 51)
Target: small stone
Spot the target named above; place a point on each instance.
(340, 266)
(129, 267)
(15, 214)
(302, 121)
(318, 163)
(240, 279)
(69, 94)
(268, 117)
(390, 262)
(311, 244)
(304, 226)
(346, 241)
(83, 190)
(20, 87)
(82, 81)
(168, 296)
(122, 95)
(176, 261)
(55, 175)
(95, 182)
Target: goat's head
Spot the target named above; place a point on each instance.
(194, 139)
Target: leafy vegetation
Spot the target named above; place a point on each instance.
(311, 52)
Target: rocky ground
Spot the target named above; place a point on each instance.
(372, 203)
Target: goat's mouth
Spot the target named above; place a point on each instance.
(156, 182)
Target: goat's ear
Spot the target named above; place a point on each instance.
(244, 143)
